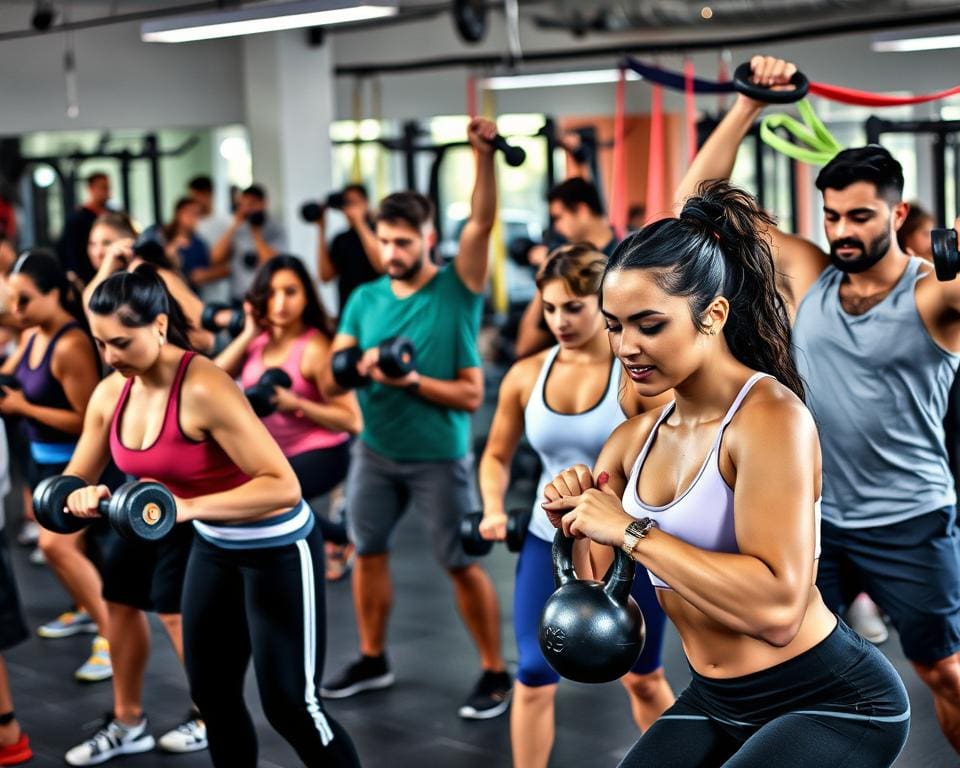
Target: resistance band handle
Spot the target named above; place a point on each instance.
(821, 146)
(742, 84)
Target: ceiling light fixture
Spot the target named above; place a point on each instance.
(268, 17)
(555, 79)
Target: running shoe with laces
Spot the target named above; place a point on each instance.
(490, 697)
(16, 753)
(68, 624)
(189, 736)
(112, 740)
(98, 666)
(369, 673)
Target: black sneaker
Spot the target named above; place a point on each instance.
(370, 673)
(490, 697)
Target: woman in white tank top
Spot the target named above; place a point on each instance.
(716, 496)
(566, 400)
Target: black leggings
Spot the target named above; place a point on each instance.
(267, 603)
(840, 704)
(319, 472)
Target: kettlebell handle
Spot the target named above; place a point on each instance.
(617, 581)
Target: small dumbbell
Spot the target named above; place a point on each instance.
(946, 259)
(10, 381)
(262, 395)
(138, 511)
(397, 359)
(344, 364)
(217, 317)
(518, 520)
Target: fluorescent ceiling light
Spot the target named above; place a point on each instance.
(903, 42)
(555, 79)
(264, 17)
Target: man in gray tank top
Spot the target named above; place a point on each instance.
(877, 340)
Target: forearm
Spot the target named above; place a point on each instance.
(738, 591)
(337, 418)
(716, 158)
(265, 251)
(204, 275)
(232, 357)
(258, 497)
(325, 266)
(371, 246)
(531, 338)
(483, 202)
(494, 480)
(456, 394)
(220, 254)
(61, 419)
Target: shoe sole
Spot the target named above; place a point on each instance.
(56, 634)
(136, 748)
(469, 713)
(373, 684)
(181, 750)
(92, 679)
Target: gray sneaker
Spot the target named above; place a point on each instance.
(112, 741)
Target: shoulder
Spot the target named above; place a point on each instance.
(317, 343)
(74, 345)
(448, 276)
(628, 437)
(106, 395)
(523, 374)
(771, 414)
(206, 386)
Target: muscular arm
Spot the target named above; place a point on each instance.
(215, 406)
(92, 453)
(464, 393)
(326, 269)
(531, 338)
(223, 248)
(326, 382)
(472, 258)
(338, 413)
(505, 432)
(371, 245)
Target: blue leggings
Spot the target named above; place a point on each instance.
(532, 588)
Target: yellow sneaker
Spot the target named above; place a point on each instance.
(98, 666)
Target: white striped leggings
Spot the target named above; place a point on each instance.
(266, 603)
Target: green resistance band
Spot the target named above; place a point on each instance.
(816, 146)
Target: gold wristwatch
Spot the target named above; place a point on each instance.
(638, 529)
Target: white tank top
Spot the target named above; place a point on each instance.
(564, 439)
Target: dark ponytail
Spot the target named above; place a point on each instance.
(47, 273)
(718, 247)
(138, 298)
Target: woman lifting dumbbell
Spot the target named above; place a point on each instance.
(730, 540)
(567, 400)
(56, 369)
(286, 340)
(252, 586)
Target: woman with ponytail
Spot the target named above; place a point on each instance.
(56, 369)
(717, 495)
(253, 584)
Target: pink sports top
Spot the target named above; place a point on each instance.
(294, 434)
(703, 514)
(187, 467)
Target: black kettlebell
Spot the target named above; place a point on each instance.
(946, 259)
(591, 631)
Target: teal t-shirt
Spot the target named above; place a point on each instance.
(443, 320)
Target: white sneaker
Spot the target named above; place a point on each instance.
(865, 619)
(36, 557)
(189, 736)
(29, 533)
(112, 741)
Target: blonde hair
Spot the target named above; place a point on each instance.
(579, 265)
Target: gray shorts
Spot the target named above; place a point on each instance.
(379, 490)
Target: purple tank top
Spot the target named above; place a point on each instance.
(41, 387)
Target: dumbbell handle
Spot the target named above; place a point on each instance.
(513, 155)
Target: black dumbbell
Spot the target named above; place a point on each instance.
(313, 211)
(137, 511)
(256, 218)
(397, 357)
(212, 320)
(515, 156)
(519, 250)
(946, 259)
(262, 396)
(344, 364)
(8, 380)
(518, 520)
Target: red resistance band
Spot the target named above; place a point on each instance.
(618, 201)
(655, 166)
(867, 99)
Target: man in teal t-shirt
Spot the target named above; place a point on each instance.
(414, 446)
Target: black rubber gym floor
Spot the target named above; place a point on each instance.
(414, 724)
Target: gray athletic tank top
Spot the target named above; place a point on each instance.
(564, 439)
(877, 385)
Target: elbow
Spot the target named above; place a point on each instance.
(290, 493)
(355, 425)
(474, 401)
(781, 625)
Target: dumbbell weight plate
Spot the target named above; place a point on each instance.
(344, 366)
(261, 399)
(276, 377)
(49, 499)
(142, 511)
(397, 357)
(946, 259)
(473, 544)
(518, 520)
